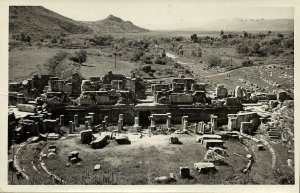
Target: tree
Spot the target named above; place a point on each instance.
(213, 60)
(194, 37)
(245, 34)
(269, 32)
(221, 33)
(79, 56)
(256, 47)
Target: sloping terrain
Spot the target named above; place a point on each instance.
(39, 20)
(114, 24)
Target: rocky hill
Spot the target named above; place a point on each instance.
(36, 20)
(114, 24)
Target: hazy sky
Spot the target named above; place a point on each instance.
(167, 14)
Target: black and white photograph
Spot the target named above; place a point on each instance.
(157, 93)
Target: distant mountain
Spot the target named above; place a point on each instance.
(239, 24)
(39, 20)
(114, 24)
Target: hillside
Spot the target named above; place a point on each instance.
(114, 24)
(239, 24)
(39, 20)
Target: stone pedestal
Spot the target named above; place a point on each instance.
(70, 127)
(61, 120)
(76, 120)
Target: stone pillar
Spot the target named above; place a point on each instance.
(70, 127)
(183, 119)
(121, 116)
(136, 121)
(86, 124)
(92, 117)
(61, 120)
(103, 125)
(120, 125)
(76, 120)
(152, 121)
(106, 121)
(49, 115)
(44, 126)
(168, 122)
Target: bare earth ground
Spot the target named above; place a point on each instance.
(142, 161)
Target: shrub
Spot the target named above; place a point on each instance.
(146, 68)
(242, 48)
(104, 40)
(213, 60)
(159, 60)
(288, 43)
(137, 55)
(247, 62)
(79, 56)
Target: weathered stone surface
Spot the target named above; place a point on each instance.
(122, 140)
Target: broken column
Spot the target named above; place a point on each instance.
(76, 120)
(120, 125)
(200, 127)
(92, 117)
(86, 124)
(185, 124)
(183, 119)
(213, 120)
(169, 122)
(70, 127)
(152, 121)
(136, 125)
(61, 120)
(73, 126)
(103, 124)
